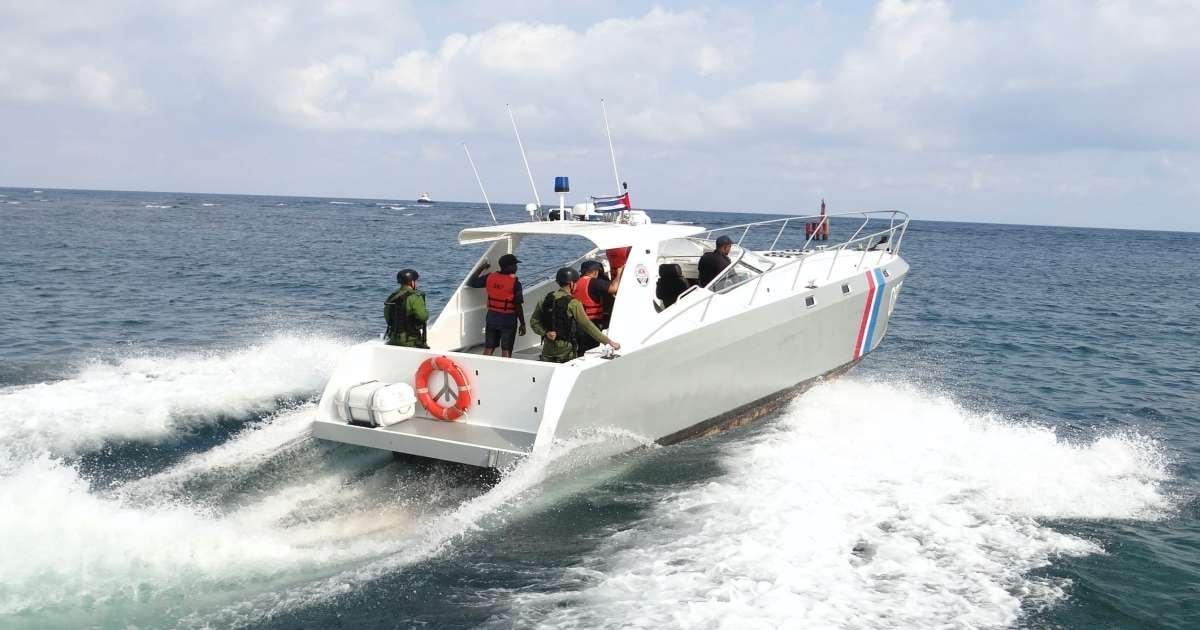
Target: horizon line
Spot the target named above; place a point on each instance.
(503, 203)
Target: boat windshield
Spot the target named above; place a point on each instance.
(746, 266)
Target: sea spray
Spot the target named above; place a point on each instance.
(152, 397)
(571, 465)
(863, 505)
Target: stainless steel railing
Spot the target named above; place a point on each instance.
(897, 226)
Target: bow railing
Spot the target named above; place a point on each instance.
(884, 240)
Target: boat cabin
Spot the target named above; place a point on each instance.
(661, 266)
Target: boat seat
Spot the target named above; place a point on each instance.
(670, 284)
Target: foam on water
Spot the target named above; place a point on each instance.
(866, 505)
(85, 551)
(528, 486)
(283, 434)
(152, 397)
(269, 518)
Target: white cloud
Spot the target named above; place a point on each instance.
(46, 56)
(548, 67)
(909, 96)
(1057, 76)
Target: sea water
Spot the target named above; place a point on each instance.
(1021, 451)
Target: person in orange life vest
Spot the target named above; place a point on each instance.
(505, 315)
(592, 290)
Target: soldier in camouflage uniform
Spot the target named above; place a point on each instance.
(405, 313)
(560, 316)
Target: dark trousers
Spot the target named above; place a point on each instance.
(584, 341)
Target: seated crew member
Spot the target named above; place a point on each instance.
(405, 312)
(505, 314)
(559, 316)
(713, 263)
(593, 290)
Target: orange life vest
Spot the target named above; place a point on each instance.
(501, 291)
(593, 309)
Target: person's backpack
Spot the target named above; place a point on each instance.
(556, 316)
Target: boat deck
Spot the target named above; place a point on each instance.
(529, 354)
(462, 442)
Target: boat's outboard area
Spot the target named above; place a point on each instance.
(775, 317)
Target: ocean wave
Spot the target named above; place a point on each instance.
(153, 397)
(271, 519)
(866, 505)
(531, 485)
(103, 559)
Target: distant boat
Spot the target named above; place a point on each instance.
(424, 198)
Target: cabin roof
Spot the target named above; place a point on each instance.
(605, 235)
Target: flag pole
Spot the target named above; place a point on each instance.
(523, 158)
(611, 151)
(478, 179)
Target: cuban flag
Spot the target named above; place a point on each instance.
(616, 203)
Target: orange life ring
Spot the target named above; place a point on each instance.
(462, 401)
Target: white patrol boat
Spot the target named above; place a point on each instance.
(693, 359)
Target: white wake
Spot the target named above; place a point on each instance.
(152, 397)
(866, 506)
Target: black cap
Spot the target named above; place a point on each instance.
(406, 276)
(724, 240)
(566, 276)
(507, 260)
(589, 265)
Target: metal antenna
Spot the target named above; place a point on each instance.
(611, 152)
(481, 189)
(525, 159)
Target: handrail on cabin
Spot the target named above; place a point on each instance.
(890, 231)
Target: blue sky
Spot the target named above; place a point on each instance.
(1064, 112)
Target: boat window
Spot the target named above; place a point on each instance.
(737, 273)
(757, 262)
(810, 301)
(845, 289)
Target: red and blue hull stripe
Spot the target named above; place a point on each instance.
(866, 328)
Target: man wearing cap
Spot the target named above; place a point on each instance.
(713, 263)
(505, 315)
(593, 290)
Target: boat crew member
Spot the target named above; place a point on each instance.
(405, 312)
(713, 263)
(560, 318)
(505, 313)
(593, 290)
